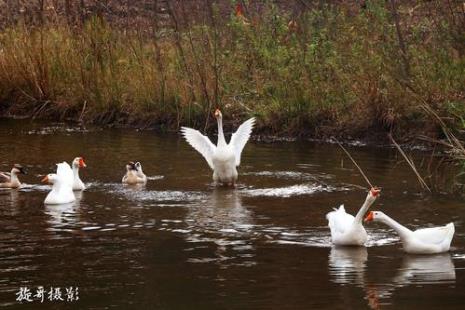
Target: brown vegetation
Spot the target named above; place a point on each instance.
(307, 68)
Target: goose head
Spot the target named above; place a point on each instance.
(131, 166)
(374, 216)
(78, 162)
(218, 114)
(50, 178)
(18, 169)
(373, 194)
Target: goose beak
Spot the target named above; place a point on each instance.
(375, 191)
(45, 179)
(82, 164)
(369, 217)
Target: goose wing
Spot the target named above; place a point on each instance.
(435, 235)
(240, 138)
(339, 221)
(65, 172)
(5, 177)
(199, 142)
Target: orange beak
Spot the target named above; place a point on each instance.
(45, 179)
(217, 112)
(375, 191)
(369, 217)
(82, 164)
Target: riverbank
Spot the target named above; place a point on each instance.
(328, 71)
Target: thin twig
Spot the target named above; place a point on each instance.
(455, 144)
(39, 110)
(435, 141)
(83, 110)
(356, 165)
(411, 164)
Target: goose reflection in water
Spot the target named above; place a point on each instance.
(11, 197)
(64, 217)
(426, 269)
(347, 264)
(221, 213)
(415, 270)
(222, 220)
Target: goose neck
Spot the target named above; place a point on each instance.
(221, 140)
(400, 229)
(13, 176)
(76, 171)
(363, 209)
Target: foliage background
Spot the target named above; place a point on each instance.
(304, 68)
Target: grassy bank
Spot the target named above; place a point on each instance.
(329, 70)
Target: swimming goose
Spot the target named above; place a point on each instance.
(347, 229)
(421, 241)
(78, 185)
(62, 186)
(10, 179)
(133, 175)
(222, 158)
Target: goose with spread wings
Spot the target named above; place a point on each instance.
(222, 158)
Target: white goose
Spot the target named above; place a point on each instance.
(222, 158)
(62, 186)
(78, 185)
(421, 241)
(347, 229)
(10, 179)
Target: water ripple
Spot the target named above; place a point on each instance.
(288, 191)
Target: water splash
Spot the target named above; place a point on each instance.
(288, 191)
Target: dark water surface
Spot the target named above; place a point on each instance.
(179, 243)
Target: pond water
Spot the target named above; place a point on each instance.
(179, 243)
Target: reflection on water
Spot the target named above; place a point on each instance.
(347, 264)
(426, 269)
(415, 270)
(179, 243)
(222, 211)
(63, 217)
(10, 196)
(223, 220)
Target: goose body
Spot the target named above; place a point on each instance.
(224, 163)
(62, 185)
(421, 241)
(78, 185)
(347, 229)
(10, 179)
(223, 158)
(134, 174)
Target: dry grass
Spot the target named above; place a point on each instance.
(331, 71)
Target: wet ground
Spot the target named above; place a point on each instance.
(179, 243)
